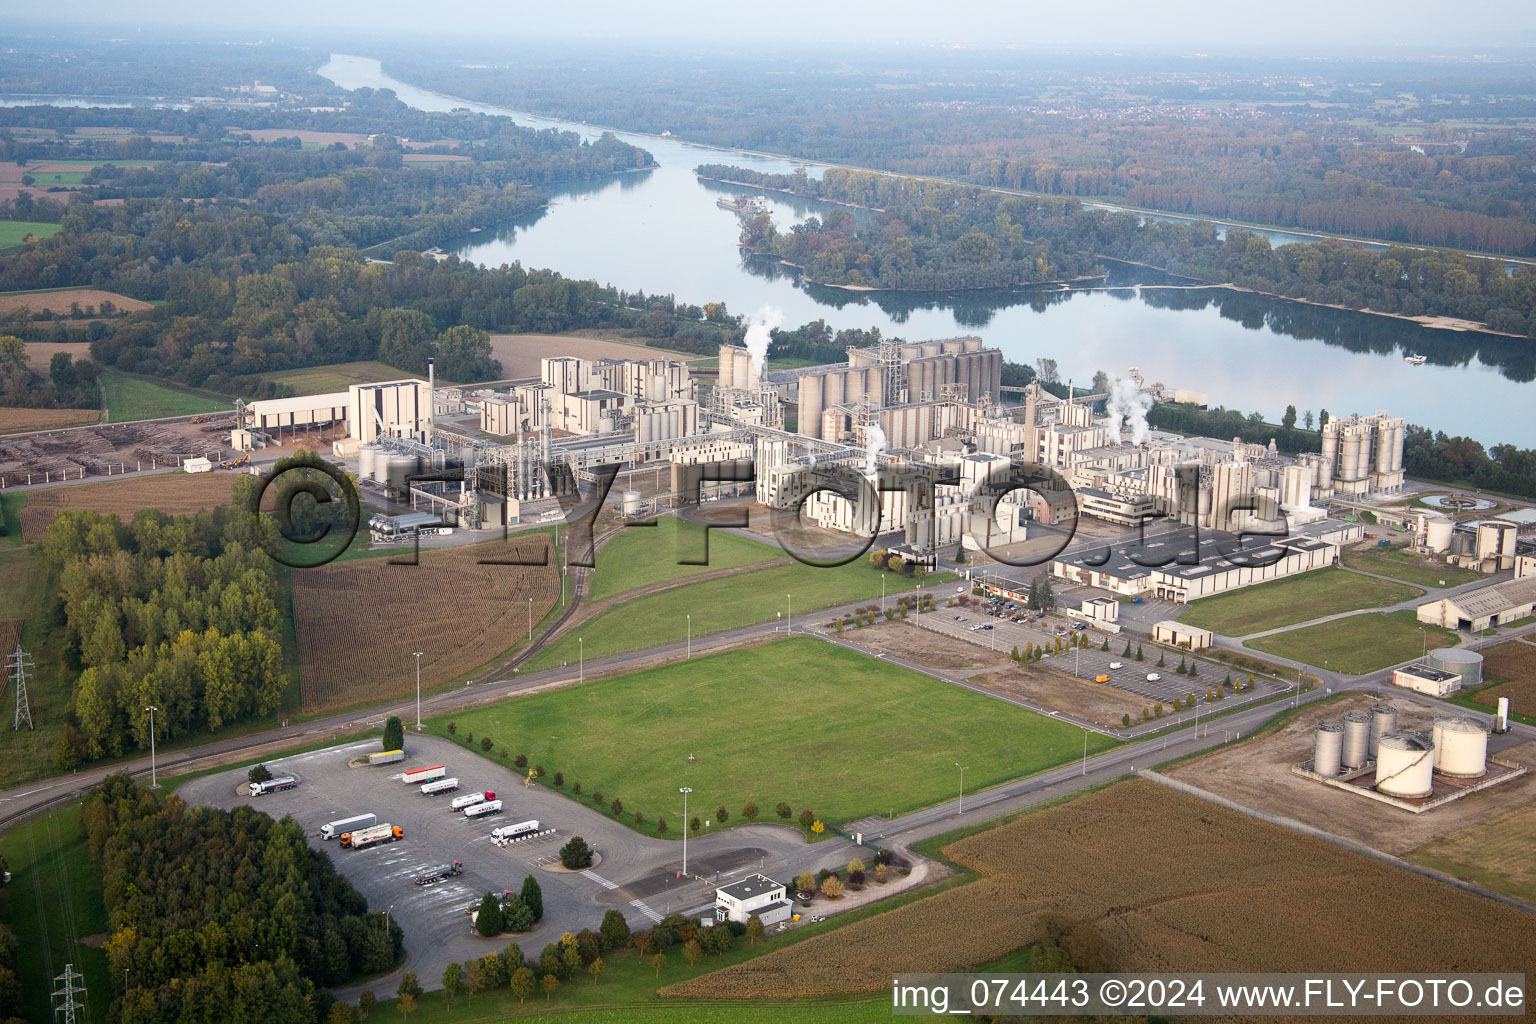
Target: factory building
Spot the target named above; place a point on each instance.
(396, 408)
(1128, 510)
(1365, 454)
(956, 369)
(1483, 608)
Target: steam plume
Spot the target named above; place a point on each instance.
(760, 335)
(1127, 407)
(873, 446)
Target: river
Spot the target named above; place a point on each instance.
(660, 231)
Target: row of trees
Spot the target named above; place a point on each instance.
(177, 612)
(222, 915)
(69, 385)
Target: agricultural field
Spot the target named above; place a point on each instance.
(833, 730)
(739, 599)
(1511, 666)
(137, 398)
(61, 301)
(15, 232)
(1494, 853)
(358, 621)
(319, 380)
(1357, 644)
(1256, 772)
(177, 494)
(1399, 564)
(1295, 599)
(639, 556)
(1172, 883)
(16, 421)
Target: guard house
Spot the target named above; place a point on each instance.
(755, 894)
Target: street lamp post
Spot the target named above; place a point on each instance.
(581, 660)
(685, 790)
(690, 636)
(882, 593)
(418, 690)
(530, 620)
(962, 768)
(154, 782)
(789, 619)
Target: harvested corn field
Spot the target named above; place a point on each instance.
(14, 420)
(359, 621)
(71, 301)
(1173, 884)
(1512, 665)
(176, 494)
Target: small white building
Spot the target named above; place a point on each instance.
(1423, 679)
(755, 894)
(197, 465)
(1177, 633)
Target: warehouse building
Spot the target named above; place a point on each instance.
(1483, 608)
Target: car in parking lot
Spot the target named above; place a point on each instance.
(1115, 664)
(959, 618)
(1101, 678)
(1079, 625)
(1153, 677)
(1061, 632)
(987, 626)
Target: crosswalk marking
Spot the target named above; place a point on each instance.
(647, 911)
(600, 880)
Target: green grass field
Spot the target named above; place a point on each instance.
(1294, 599)
(317, 380)
(1358, 644)
(833, 730)
(741, 599)
(1398, 564)
(14, 232)
(61, 177)
(55, 901)
(642, 555)
(11, 505)
(136, 398)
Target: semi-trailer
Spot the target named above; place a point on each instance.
(470, 799)
(360, 838)
(429, 876)
(481, 809)
(440, 786)
(273, 785)
(332, 829)
(431, 773)
(522, 828)
(386, 757)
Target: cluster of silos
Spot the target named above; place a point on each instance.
(371, 462)
(736, 370)
(389, 468)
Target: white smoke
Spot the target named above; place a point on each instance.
(760, 335)
(1127, 407)
(874, 444)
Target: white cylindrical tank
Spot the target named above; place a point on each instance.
(1349, 464)
(1461, 662)
(1383, 721)
(399, 468)
(1357, 739)
(631, 503)
(809, 413)
(1438, 535)
(1501, 722)
(370, 458)
(745, 376)
(1327, 747)
(1461, 748)
(1405, 765)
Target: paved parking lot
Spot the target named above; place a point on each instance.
(1087, 663)
(636, 874)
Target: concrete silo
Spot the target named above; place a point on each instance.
(1357, 739)
(1461, 748)
(811, 400)
(1383, 721)
(1464, 663)
(1327, 748)
(727, 366)
(1405, 765)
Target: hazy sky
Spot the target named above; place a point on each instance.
(1182, 25)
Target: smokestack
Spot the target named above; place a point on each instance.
(431, 396)
(431, 373)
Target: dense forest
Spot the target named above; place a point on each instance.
(223, 915)
(1378, 149)
(179, 612)
(925, 234)
(68, 385)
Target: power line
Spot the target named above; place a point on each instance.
(17, 665)
(69, 1006)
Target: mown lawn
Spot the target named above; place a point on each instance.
(318, 380)
(1358, 644)
(14, 232)
(135, 398)
(1400, 565)
(740, 599)
(797, 720)
(1294, 599)
(642, 555)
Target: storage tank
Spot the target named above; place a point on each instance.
(743, 373)
(1501, 720)
(727, 366)
(631, 503)
(1383, 721)
(398, 467)
(1461, 662)
(1438, 535)
(1349, 464)
(1383, 448)
(809, 414)
(1405, 765)
(1327, 746)
(1357, 739)
(369, 462)
(1331, 445)
(1461, 748)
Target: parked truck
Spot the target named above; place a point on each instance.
(470, 799)
(480, 810)
(440, 786)
(431, 773)
(372, 836)
(273, 785)
(522, 828)
(331, 830)
(435, 874)
(386, 757)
